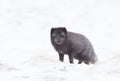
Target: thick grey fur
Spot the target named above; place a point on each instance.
(75, 45)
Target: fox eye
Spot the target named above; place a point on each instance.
(63, 34)
(53, 35)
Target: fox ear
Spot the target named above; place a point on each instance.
(64, 29)
(52, 30)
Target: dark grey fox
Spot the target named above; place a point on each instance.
(75, 45)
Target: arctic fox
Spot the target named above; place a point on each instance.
(74, 45)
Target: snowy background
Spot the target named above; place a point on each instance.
(26, 53)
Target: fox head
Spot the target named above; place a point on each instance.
(59, 35)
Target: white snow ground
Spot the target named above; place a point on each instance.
(26, 53)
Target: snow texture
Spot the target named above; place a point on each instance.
(26, 53)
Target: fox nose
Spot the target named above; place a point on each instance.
(58, 41)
